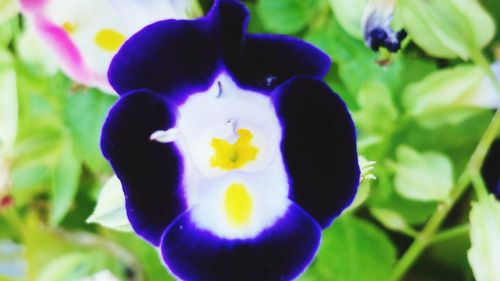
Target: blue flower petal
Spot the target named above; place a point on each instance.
(319, 147)
(150, 172)
(172, 56)
(265, 61)
(280, 252)
(491, 169)
(179, 57)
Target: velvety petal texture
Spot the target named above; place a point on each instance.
(278, 253)
(165, 57)
(233, 154)
(266, 61)
(150, 172)
(491, 169)
(319, 146)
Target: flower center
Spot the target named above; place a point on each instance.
(236, 155)
(238, 204)
(109, 40)
(69, 27)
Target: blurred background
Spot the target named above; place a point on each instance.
(420, 113)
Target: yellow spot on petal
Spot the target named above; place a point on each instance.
(233, 156)
(109, 39)
(238, 204)
(69, 27)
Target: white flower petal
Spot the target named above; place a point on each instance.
(268, 191)
(212, 114)
(484, 255)
(110, 209)
(487, 95)
(31, 49)
(97, 29)
(218, 113)
(8, 9)
(147, 12)
(167, 136)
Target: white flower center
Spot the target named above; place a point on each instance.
(234, 178)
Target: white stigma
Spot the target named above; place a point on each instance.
(163, 136)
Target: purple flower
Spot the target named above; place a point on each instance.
(232, 153)
(84, 35)
(377, 28)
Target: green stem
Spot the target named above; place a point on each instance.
(448, 234)
(479, 59)
(408, 231)
(425, 237)
(14, 220)
(479, 186)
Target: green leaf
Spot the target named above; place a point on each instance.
(33, 51)
(66, 176)
(449, 96)
(28, 181)
(110, 209)
(364, 187)
(378, 112)
(332, 39)
(484, 232)
(357, 64)
(74, 266)
(146, 255)
(391, 220)
(384, 196)
(493, 8)
(255, 24)
(8, 100)
(457, 141)
(41, 245)
(423, 176)
(361, 195)
(349, 13)
(104, 275)
(413, 212)
(77, 266)
(85, 113)
(8, 30)
(286, 16)
(53, 254)
(451, 252)
(8, 9)
(355, 250)
(447, 28)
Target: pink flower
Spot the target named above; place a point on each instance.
(84, 35)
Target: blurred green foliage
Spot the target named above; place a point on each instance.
(419, 115)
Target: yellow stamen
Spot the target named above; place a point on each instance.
(238, 205)
(109, 39)
(68, 27)
(233, 156)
